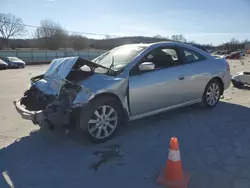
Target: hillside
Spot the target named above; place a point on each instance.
(104, 44)
(111, 43)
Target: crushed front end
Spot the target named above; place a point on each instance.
(48, 110)
(49, 100)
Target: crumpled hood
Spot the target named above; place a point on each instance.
(55, 75)
(59, 68)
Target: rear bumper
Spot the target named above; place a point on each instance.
(36, 117)
(227, 80)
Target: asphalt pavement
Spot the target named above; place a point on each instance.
(214, 145)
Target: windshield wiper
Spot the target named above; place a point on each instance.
(110, 70)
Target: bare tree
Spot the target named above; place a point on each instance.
(10, 26)
(77, 42)
(232, 45)
(192, 42)
(234, 41)
(178, 38)
(158, 37)
(51, 35)
(108, 37)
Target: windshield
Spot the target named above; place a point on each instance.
(13, 59)
(120, 57)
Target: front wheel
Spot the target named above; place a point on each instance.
(101, 119)
(212, 94)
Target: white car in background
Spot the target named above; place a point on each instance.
(242, 53)
(219, 56)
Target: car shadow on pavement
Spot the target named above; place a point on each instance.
(44, 159)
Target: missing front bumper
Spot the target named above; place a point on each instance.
(37, 117)
(54, 115)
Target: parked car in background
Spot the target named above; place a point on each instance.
(234, 55)
(200, 47)
(14, 62)
(222, 52)
(242, 53)
(219, 56)
(3, 65)
(126, 83)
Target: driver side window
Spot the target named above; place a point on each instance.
(158, 58)
(163, 57)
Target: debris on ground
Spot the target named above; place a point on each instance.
(112, 153)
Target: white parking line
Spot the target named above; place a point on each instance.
(7, 179)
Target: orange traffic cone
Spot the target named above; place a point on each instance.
(173, 175)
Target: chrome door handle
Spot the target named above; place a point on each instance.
(181, 77)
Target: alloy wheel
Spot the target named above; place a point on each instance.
(213, 94)
(103, 122)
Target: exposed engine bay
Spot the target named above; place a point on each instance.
(53, 94)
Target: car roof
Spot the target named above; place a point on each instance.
(170, 43)
(161, 44)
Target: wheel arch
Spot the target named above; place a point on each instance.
(112, 95)
(218, 79)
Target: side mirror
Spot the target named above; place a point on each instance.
(147, 66)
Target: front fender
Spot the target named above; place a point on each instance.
(117, 87)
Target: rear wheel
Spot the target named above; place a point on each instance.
(101, 119)
(212, 93)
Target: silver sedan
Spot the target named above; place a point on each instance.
(126, 83)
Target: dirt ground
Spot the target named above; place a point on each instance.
(214, 144)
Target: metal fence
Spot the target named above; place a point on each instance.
(48, 55)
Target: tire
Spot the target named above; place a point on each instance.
(215, 89)
(237, 84)
(96, 129)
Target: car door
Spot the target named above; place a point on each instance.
(158, 88)
(195, 72)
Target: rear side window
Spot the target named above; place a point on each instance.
(192, 56)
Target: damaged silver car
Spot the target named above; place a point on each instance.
(126, 83)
